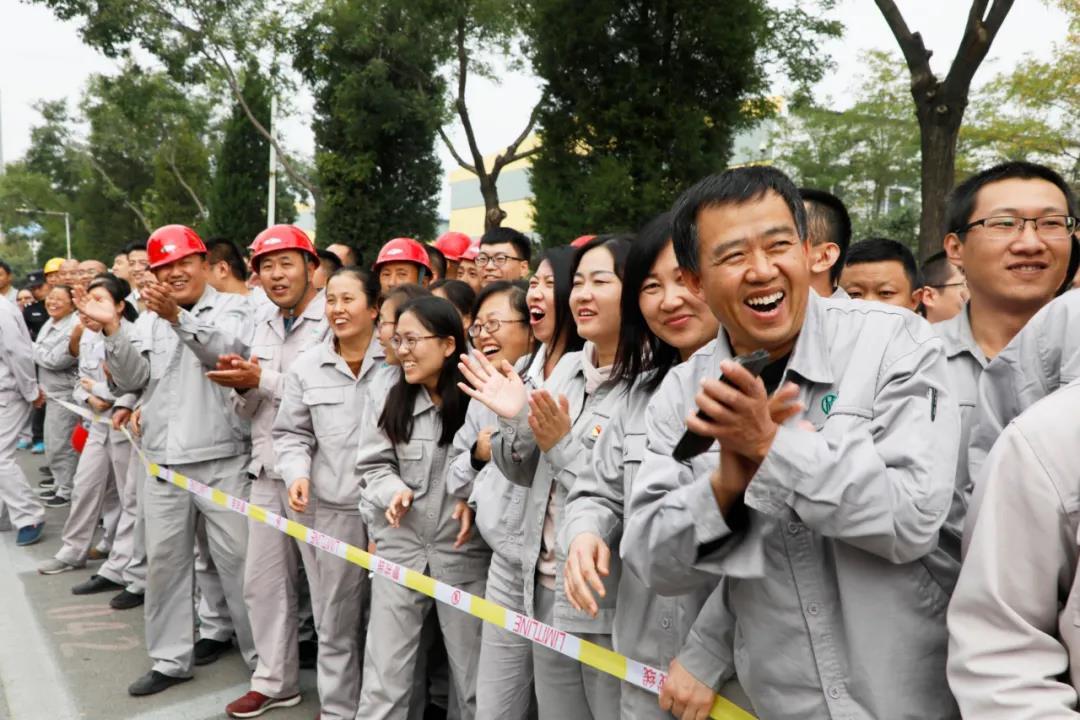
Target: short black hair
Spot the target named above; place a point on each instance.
(936, 270)
(136, 245)
(437, 260)
(224, 250)
(499, 235)
(961, 202)
(5, 267)
(325, 256)
(827, 220)
(735, 186)
(458, 292)
(879, 249)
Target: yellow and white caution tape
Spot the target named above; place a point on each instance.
(585, 652)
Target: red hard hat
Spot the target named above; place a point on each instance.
(471, 253)
(171, 243)
(583, 240)
(280, 237)
(453, 245)
(403, 250)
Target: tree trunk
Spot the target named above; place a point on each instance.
(493, 214)
(939, 128)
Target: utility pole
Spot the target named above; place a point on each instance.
(271, 197)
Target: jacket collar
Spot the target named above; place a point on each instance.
(374, 358)
(956, 334)
(314, 312)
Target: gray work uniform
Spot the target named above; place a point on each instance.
(272, 570)
(424, 542)
(189, 426)
(834, 555)
(103, 466)
(565, 688)
(1014, 620)
(18, 389)
(966, 362)
(315, 437)
(1044, 356)
(504, 683)
(649, 628)
(57, 374)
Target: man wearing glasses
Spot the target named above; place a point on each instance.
(1010, 230)
(504, 255)
(944, 292)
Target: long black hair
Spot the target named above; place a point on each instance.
(561, 260)
(617, 245)
(118, 290)
(458, 292)
(441, 319)
(640, 350)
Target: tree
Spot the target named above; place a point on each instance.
(372, 64)
(237, 200)
(940, 104)
(643, 98)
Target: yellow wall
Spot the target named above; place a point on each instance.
(471, 220)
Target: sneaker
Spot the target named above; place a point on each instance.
(55, 567)
(46, 494)
(56, 501)
(47, 484)
(38, 449)
(126, 600)
(208, 651)
(29, 534)
(95, 584)
(22, 444)
(46, 471)
(154, 682)
(254, 704)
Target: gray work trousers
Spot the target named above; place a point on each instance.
(133, 572)
(504, 683)
(340, 591)
(271, 592)
(567, 689)
(20, 502)
(60, 456)
(102, 464)
(393, 643)
(172, 516)
(212, 607)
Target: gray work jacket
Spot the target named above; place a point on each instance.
(58, 369)
(515, 452)
(18, 377)
(1014, 620)
(92, 367)
(425, 540)
(835, 586)
(648, 627)
(185, 417)
(276, 351)
(317, 428)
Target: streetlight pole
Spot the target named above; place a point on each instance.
(67, 222)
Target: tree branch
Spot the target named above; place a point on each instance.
(511, 154)
(911, 44)
(116, 190)
(478, 168)
(453, 151)
(979, 34)
(171, 157)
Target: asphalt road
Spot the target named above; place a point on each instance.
(64, 657)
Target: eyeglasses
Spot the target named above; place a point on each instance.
(1007, 227)
(491, 326)
(499, 260)
(409, 342)
(962, 283)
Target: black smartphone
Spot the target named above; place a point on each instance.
(691, 444)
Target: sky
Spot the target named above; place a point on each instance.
(43, 58)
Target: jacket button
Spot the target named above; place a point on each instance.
(794, 527)
(431, 515)
(812, 608)
(834, 692)
(665, 623)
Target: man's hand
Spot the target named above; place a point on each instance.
(40, 401)
(684, 696)
(588, 559)
(483, 445)
(299, 494)
(464, 515)
(549, 422)
(159, 300)
(120, 418)
(136, 422)
(235, 372)
(98, 404)
(398, 507)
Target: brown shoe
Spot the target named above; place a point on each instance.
(96, 554)
(254, 704)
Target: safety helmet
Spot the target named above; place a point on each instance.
(281, 237)
(470, 254)
(403, 250)
(171, 243)
(53, 265)
(582, 240)
(453, 245)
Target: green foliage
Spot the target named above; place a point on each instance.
(237, 201)
(372, 64)
(644, 98)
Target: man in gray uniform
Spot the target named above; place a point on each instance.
(18, 390)
(822, 526)
(187, 425)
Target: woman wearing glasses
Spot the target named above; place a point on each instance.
(405, 445)
(326, 392)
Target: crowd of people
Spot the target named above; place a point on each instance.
(875, 518)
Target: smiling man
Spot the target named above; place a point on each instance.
(881, 270)
(189, 426)
(822, 505)
(504, 255)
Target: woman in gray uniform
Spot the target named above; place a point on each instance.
(56, 354)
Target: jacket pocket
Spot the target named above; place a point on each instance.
(633, 455)
(328, 413)
(412, 463)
